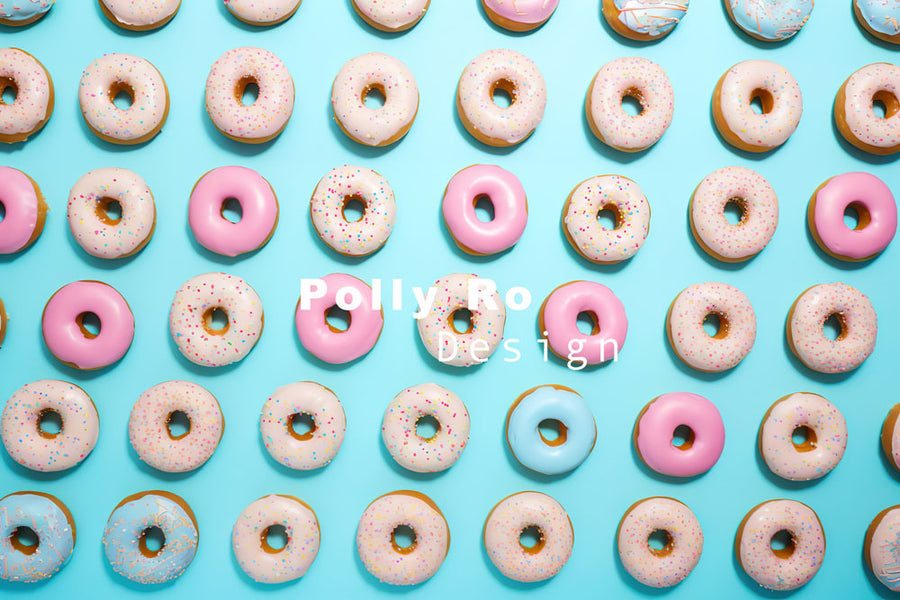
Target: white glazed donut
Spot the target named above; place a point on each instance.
(303, 451)
(262, 12)
(34, 95)
(853, 112)
(409, 449)
(140, 15)
(391, 15)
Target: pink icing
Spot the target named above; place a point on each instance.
(860, 89)
(263, 12)
(507, 196)
(560, 316)
(259, 208)
(22, 204)
(522, 11)
(34, 93)
(142, 13)
(394, 15)
(895, 444)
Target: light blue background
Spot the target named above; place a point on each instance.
(569, 49)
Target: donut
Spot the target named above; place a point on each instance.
(736, 331)
(50, 521)
(328, 343)
(100, 234)
(3, 319)
(391, 15)
(770, 20)
(875, 206)
(38, 450)
(890, 437)
(558, 322)
(260, 561)
(853, 113)
(23, 12)
(517, 76)
(882, 547)
(125, 537)
(228, 79)
(758, 204)
(70, 342)
(881, 18)
(24, 208)
(519, 15)
(654, 430)
(644, 20)
(778, 94)
(629, 207)
(518, 514)
(856, 316)
(259, 211)
(507, 198)
(577, 429)
(303, 451)
(487, 319)
(140, 15)
(386, 75)
(637, 78)
(671, 564)
(338, 189)
(152, 439)
(33, 105)
(377, 545)
(190, 319)
(420, 454)
(114, 74)
(787, 568)
(262, 14)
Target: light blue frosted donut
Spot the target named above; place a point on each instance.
(771, 20)
(126, 527)
(578, 431)
(56, 537)
(23, 10)
(881, 16)
(651, 17)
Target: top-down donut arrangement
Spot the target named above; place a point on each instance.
(467, 270)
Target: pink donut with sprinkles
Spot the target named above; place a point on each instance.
(25, 210)
(262, 13)
(34, 95)
(519, 15)
(853, 113)
(140, 15)
(890, 437)
(392, 16)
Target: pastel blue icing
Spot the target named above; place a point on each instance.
(129, 521)
(771, 19)
(56, 540)
(651, 17)
(547, 402)
(882, 15)
(22, 10)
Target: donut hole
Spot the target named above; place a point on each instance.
(403, 539)
(715, 324)
(301, 426)
(857, 216)
(24, 540)
(215, 321)
(835, 328)
(49, 423)
(735, 211)
(374, 96)
(353, 209)
(587, 322)
(108, 210)
(9, 91)
(461, 321)
(178, 424)
(89, 324)
(761, 101)
(232, 210)
(151, 542)
(804, 438)
(553, 432)
(683, 437)
(427, 427)
(246, 90)
(633, 102)
(660, 542)
(337, 319)
(484, 208)
(2, 211)
(503, 93)
(885, 104)
(531, 539)
(121, 94)
(609, 217)
(783, 544)
(274, 539)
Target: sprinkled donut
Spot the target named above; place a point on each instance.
(151, 438)
(577, 430)
(25, 210)
(881, 18)
(671, 564)
(654, 430)
(629, 207)
(377, 545)
(391, 15)
(260, 561)
(335, 192)
(890, 437)
(856, 316)
(853, 113)
(458, 292)
(385, 74)
(229, 77)
(789, 567)
(314, 448)
(882, 547)
(91, 225)
(126, 542)
(50, 521)
(17, 13)
(778, 94)
(38, 450)
(190, 319)
(259, 211)
(511, 517)
(519, 15)
(414, 452)
(637, 78)
(62, 325)
(770, 20)
(34, 95)
(644, 20)
(736, 331)
(140, 15)
(513, 73)
(758, 204)
(262, 13)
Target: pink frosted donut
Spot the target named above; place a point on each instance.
(25, 209)
(259, 211)
(67, 338)
(510, 518)
(857, 318)
(507, 197)
(38, 450)
(558, 320)
(34, 95)
(140, 15)
(756, 199)
(326, 342)
(734, 338)
(853, 112)
(875, 206)
(890, 437)
(519, 15)
(152, 439)
(637, 78)
(228, 79)
(391, 15)
(262, 12)
(656, 425)
(675, 561)
(792, 566)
